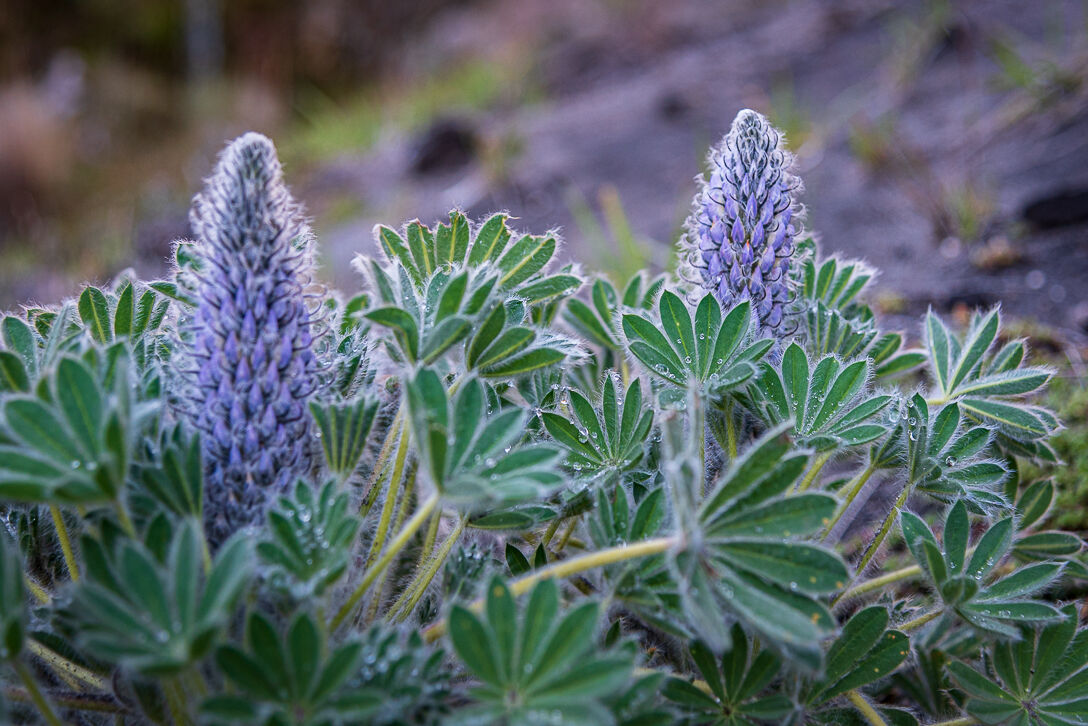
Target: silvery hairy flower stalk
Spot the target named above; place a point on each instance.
(254, 367)
(739, 238)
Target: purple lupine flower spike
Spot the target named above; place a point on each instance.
(254, 366)
(739, 238)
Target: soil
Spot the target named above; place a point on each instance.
(904, 113)
(945, 142)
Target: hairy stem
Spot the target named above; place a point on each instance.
(402, 512)
(573, 566)
(175, 702)
(37, 590)
(65, 542)
(814, 472)
(378, 567)
(885, 528)
(414, 592)
(921, 620)
(731, 433)
(36, 696)
(878, 582)
(391, 497)
(430, 538)
(566, 534)
(73, 701)
(62, 665)
(381, 465)
(866, 709)
(553, 527)
(962, 721)
(124, 519)
(855, 488)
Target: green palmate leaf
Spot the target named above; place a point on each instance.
(309, 538)
(866, 651)
(755, 571)
(1038, 678)
(471, 454)
(836, 323)
(735, 681)
(176, 478)
(946, 460)
(988, 384)
(157, 617)
(598, 322)
(717, 355)
(537, 664)
(610, 442)
(827, 402)
(75, 438)
(990, 606)
(291, 675)
(344, 430)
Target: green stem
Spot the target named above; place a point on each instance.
(817, 466)
(96, 704)
(36, 696)
(573, 566)
(205, 553)
(378, 567)
(851, 494)
(921, 620)
(175, 702)
(962, 721)
(414, 592)
(566, 535)
(124, 519)
(553, 527)
(878, 582)
(402, 512)
(62, 665)
(697, 409)
(866, 709)
(381, 465)
(701, 685)
(731, 433)
(390, 498)
(885, 528)
(430, 538)
(37, 590)
(65, 542)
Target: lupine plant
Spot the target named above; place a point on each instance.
(485, 489)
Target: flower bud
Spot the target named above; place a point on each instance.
(254, 366)
(738, 240)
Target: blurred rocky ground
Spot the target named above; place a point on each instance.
(946, 143)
